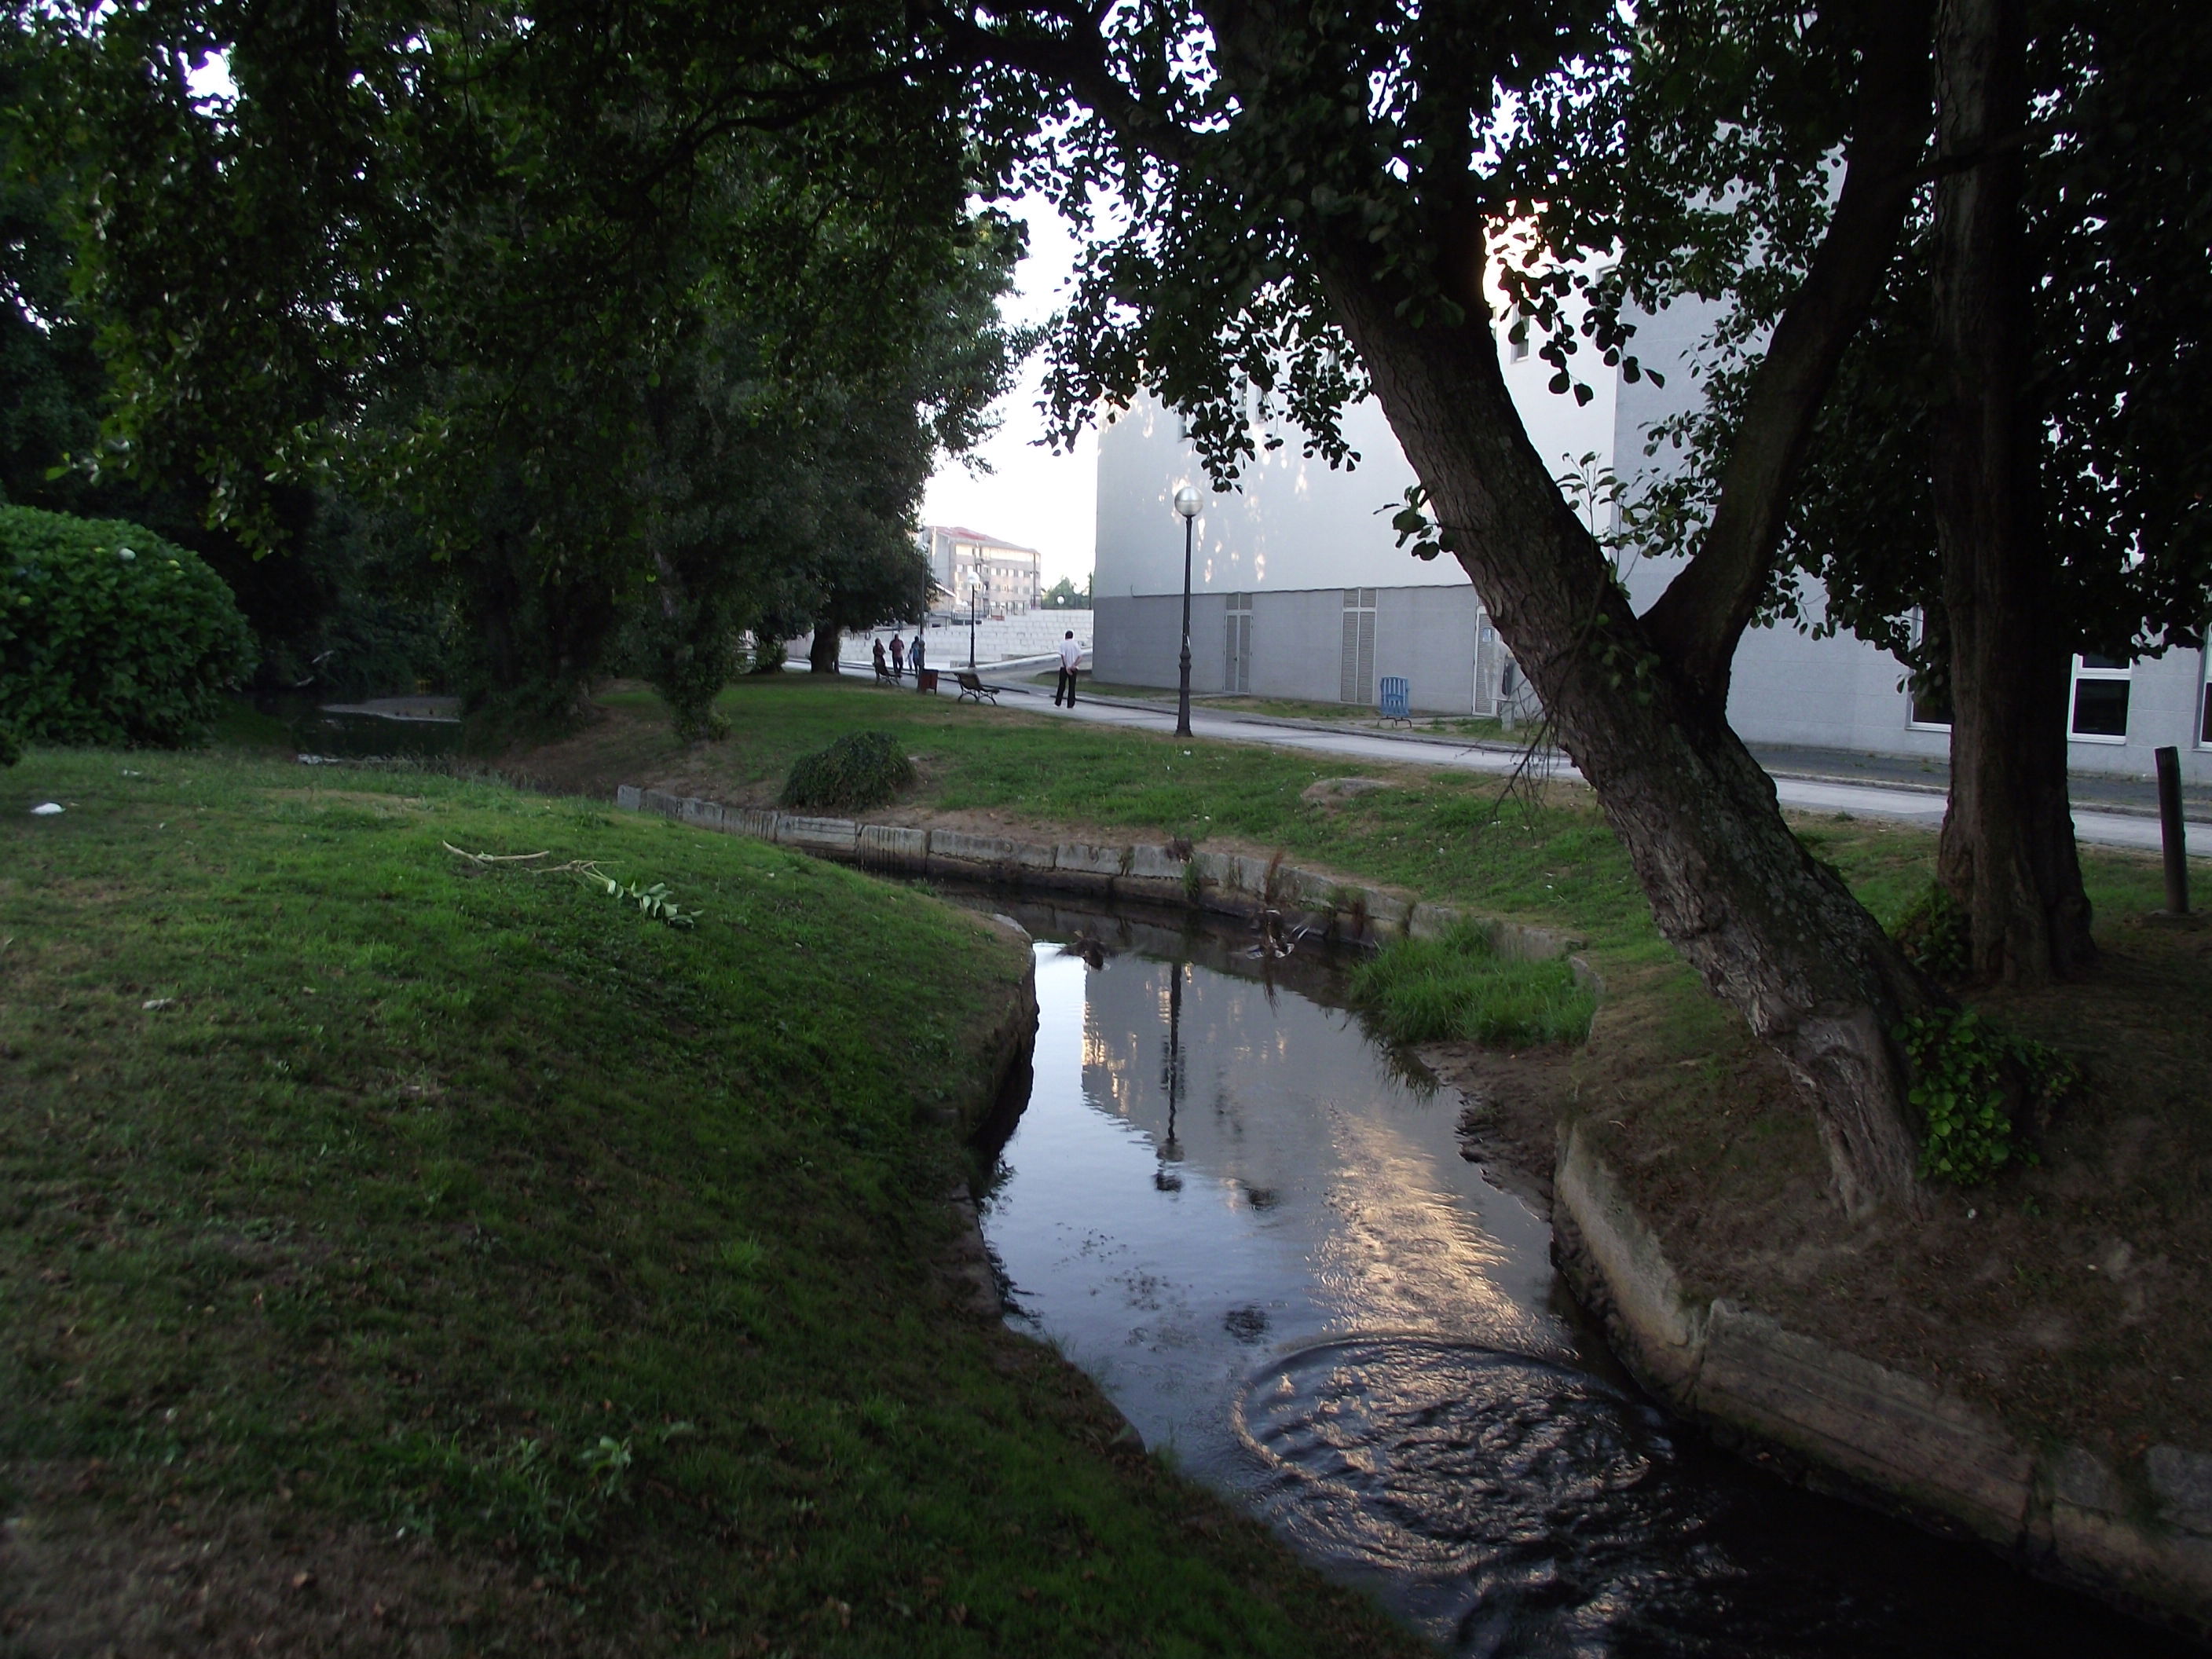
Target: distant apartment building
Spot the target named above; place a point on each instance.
(1007, 577)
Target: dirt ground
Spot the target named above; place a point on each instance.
(2073, 1296)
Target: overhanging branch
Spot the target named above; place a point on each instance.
(1698, 621)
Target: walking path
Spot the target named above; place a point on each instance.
(2109, 812)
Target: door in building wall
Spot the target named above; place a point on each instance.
(1358, 671)
(1489, 665)
(1237, 661)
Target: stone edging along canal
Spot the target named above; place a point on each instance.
(1224, 883)
(2140, 1535)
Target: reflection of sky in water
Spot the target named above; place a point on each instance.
(1275, 1261)
(1304, 1192)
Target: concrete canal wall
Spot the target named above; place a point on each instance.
(2137, 1532)
(1223, 883)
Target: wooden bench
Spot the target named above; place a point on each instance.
(972, 687)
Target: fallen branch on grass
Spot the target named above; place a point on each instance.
(493, 858)
(656, 900)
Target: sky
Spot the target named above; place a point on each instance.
(1030, 496)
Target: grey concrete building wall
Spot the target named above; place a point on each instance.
(1427, 636)
(1137, 641)
(1297, 643)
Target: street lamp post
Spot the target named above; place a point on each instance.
(1187, 503)
(974, 589)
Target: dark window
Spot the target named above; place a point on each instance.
(2100, 707)
(1931, 703)
(2204, 732)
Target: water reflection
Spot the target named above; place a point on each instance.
(1254, 1227)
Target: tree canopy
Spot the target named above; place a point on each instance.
(583, 314)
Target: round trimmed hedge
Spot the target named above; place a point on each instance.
(109, 634)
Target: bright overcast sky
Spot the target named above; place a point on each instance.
(1030, 496)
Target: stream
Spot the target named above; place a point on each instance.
(1254, 1226)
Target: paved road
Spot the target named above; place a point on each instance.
(1917, 805)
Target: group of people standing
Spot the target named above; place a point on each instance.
(894, 667)
(900, 656)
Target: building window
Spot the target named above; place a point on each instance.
(2204, 697)
(2100, 699)
(1928, 697)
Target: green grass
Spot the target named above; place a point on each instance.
(1447, 836)
(1458, 987)
(350, 1180)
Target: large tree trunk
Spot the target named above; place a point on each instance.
(2007, 850)
(1772, 932)
(822, 650)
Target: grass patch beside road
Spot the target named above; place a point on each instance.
(1441, 835)
(464, 1255)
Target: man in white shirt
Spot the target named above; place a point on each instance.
(1070, 654)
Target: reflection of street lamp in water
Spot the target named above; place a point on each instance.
(1172, 1074)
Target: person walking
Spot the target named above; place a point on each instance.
(883, 670)
(898, 656)
(1070, 654)
(914, 655)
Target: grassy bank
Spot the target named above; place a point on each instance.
(1443, 834)
(2071, 1294)
(409, 1253)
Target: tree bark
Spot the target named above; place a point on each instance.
(1772, 931)
(2007, 854)
(822, 651)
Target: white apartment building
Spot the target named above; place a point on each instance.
(1006, 578)
(1299, 589)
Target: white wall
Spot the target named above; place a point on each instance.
(1295, 523)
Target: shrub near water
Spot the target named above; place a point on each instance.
(1457, 986)
(864, 770)
(109, 634)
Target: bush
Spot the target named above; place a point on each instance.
(1457, 986)
(862, 770)
(109, 634)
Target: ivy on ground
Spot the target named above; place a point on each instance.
(1977, 1089)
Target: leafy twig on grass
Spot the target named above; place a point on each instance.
(656, 900)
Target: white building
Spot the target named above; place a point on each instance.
(1007, 578)
(1299, 589)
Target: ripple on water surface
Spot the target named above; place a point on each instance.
(1211, 1169)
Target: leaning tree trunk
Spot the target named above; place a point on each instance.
(822, 651)
(2007, 850)
(1773, 932)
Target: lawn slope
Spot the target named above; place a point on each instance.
(404, 1253)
